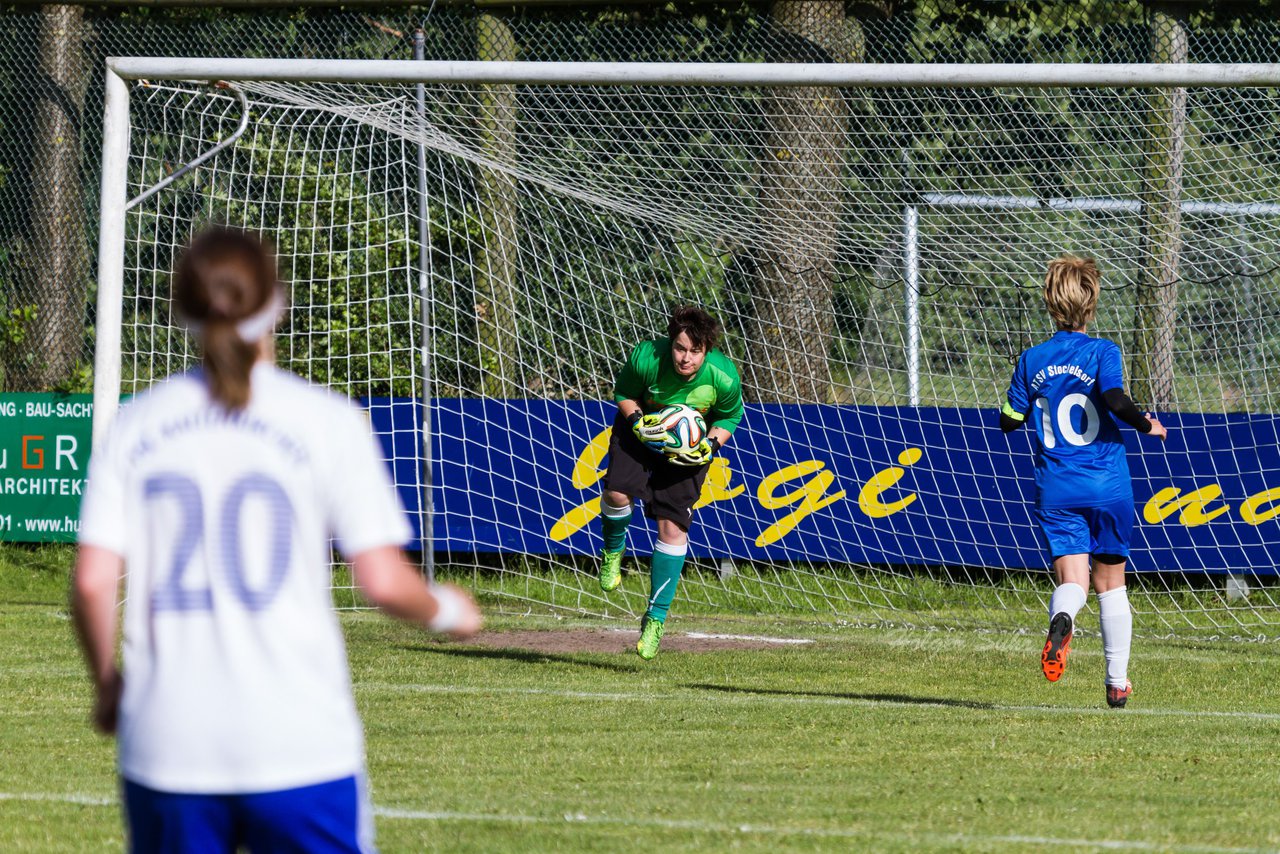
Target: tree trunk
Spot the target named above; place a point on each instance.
(58, 266)
(496, 264)
(1157, 298)
(789, 337)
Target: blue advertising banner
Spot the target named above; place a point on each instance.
(843, 484)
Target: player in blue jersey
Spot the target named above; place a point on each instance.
(1072, 386)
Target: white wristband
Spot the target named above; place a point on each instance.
(451, 607)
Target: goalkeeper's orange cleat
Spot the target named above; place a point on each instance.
(1053, 661)
(1117, 697)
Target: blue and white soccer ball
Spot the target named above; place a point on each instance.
(684, 425)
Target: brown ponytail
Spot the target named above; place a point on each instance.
(227, 363)
(224, 277)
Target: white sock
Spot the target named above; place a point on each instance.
(675, 550)
(1117, 633)
(611, 512)
(1067, 597)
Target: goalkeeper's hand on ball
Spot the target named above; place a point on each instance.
(699, 455)
(650, 432)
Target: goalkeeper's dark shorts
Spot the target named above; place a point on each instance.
(668, 491)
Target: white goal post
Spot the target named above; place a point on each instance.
(870, 235)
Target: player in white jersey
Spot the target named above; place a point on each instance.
(219, 491)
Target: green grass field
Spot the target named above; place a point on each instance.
(861, 740)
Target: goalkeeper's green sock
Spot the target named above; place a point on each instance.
(616, 521)
(668, 560)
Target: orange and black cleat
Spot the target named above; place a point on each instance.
(1053, 661)
(1117, 697)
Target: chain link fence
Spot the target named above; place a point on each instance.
(51, 91)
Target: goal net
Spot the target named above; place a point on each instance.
(875, 254)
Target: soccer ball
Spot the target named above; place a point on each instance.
(684, 425)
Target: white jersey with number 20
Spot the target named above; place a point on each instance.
(235, 672)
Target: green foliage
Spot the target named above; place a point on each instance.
(15, 333)
(592, 276)
(79, 381)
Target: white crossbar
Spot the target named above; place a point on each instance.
(701, 73)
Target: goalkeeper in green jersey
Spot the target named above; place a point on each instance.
(683, 367)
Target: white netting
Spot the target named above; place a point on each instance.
(875, 256)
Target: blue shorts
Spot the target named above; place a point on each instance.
(1101, 530)
(327, 817)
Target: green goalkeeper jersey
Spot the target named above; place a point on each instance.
(650, 379)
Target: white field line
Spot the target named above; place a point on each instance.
(974, 643)
(1028, 645)
(400, 814)
(52, 670)
(705, 636)
(745, 696)
(70, 798)
(824, 832)
(46, 671)
(760, 638)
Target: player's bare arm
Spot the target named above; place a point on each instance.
(630, 409)
(392, 585)
(93, 607)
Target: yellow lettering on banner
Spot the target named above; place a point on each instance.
(1166, 502)
(1249, 509)
(869, 498)
(716, 486)
(575, 520)
(587, 472)
(810, 497)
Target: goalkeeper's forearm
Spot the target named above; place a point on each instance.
(718, 437)
(630, 410)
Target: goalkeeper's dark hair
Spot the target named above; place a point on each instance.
(224, 276)
(703, 329)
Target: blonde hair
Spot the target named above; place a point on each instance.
(1071, 288)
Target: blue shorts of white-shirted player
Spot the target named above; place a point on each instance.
(326, 817)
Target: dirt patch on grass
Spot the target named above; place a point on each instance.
(617, 640)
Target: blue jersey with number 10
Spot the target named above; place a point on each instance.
(1080, 459)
